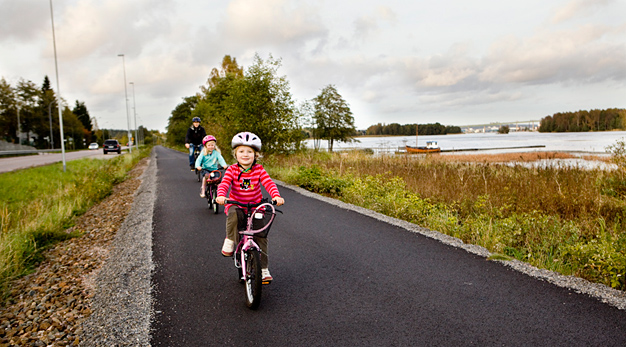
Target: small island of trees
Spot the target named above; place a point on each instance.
(409, 129)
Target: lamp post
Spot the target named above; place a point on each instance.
(56, 68)
(50, 118)
(135, 113)
(19, 130)
(130, 147)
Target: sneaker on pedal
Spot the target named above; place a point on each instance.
(265, 275)
(202, 194)
(228, 248)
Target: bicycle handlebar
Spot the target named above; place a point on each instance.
(249, 204)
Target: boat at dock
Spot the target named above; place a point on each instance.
(431, 147)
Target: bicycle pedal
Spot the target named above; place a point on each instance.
(266, 282)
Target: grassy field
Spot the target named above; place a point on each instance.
(38, 204)
(569, 220)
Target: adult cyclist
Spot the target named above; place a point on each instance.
(193, 139)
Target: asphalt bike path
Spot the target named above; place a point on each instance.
(342, 278)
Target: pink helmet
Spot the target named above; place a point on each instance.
(208, 138)
(246, 139)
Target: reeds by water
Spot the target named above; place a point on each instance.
(549, 216)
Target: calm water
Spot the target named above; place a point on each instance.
(590, 142)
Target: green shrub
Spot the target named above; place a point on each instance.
(317, 180)
(601, 259)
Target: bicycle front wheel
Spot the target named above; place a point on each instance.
(253, 278)
(216, 206)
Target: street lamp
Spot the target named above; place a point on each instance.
(135, 112)
(50, 118)
(56, 68)
(130, 147)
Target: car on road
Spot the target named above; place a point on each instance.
(112, 146)
(93, 145)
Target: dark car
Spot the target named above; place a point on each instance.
(112, 146)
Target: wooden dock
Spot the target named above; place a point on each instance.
(492, 148)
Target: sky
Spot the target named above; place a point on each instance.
(455, 62)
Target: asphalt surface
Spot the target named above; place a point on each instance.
(27, 161)
(342, 278)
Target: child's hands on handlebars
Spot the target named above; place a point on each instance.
(222, 200)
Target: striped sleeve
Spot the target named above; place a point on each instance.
(222, 189)
(269, 185)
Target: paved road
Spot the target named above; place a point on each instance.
(345, 279)
(24, 162)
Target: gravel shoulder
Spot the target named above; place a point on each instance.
(53, 306)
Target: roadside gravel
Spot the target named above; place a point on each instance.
(53, 306)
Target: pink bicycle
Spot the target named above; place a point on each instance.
(254, 220)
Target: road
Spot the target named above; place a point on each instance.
(24, 162)
(344, 279)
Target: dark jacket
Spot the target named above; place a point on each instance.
(195, 135)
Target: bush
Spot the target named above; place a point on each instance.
(318, 181)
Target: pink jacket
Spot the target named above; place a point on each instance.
(245, 186)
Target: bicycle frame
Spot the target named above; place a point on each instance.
(247, 236)
(211, 189)
(248, 250)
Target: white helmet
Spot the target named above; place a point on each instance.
(246, 139)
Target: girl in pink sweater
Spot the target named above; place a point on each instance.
(244, 180)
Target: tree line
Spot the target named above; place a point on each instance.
(29, 115)
(409, 129)
(32, 111)
(259, 100)
(592, 120)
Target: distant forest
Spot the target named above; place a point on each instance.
(593, 120)
(409, 129)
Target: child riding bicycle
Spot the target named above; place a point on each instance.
(195, 134)
(244, 180)
(208, 160)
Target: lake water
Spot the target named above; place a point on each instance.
(586, 142)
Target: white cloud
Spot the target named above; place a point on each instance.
(24, 20)
(556, 57)
(275, 22)
(578, 8)
(111, 27)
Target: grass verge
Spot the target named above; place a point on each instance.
(568, 220)
(38, 204)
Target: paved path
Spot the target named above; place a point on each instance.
(24, 162)
(344, 279)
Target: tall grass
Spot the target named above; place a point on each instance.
(565, 219)
(38, 204)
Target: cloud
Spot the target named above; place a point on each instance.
(24, 20)
(110, 27)
(271, 22)
(578, 8)
(581, 55)
(369, 25)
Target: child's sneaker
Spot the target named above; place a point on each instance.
(228, 248)
(265, 274)
(202, 194)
